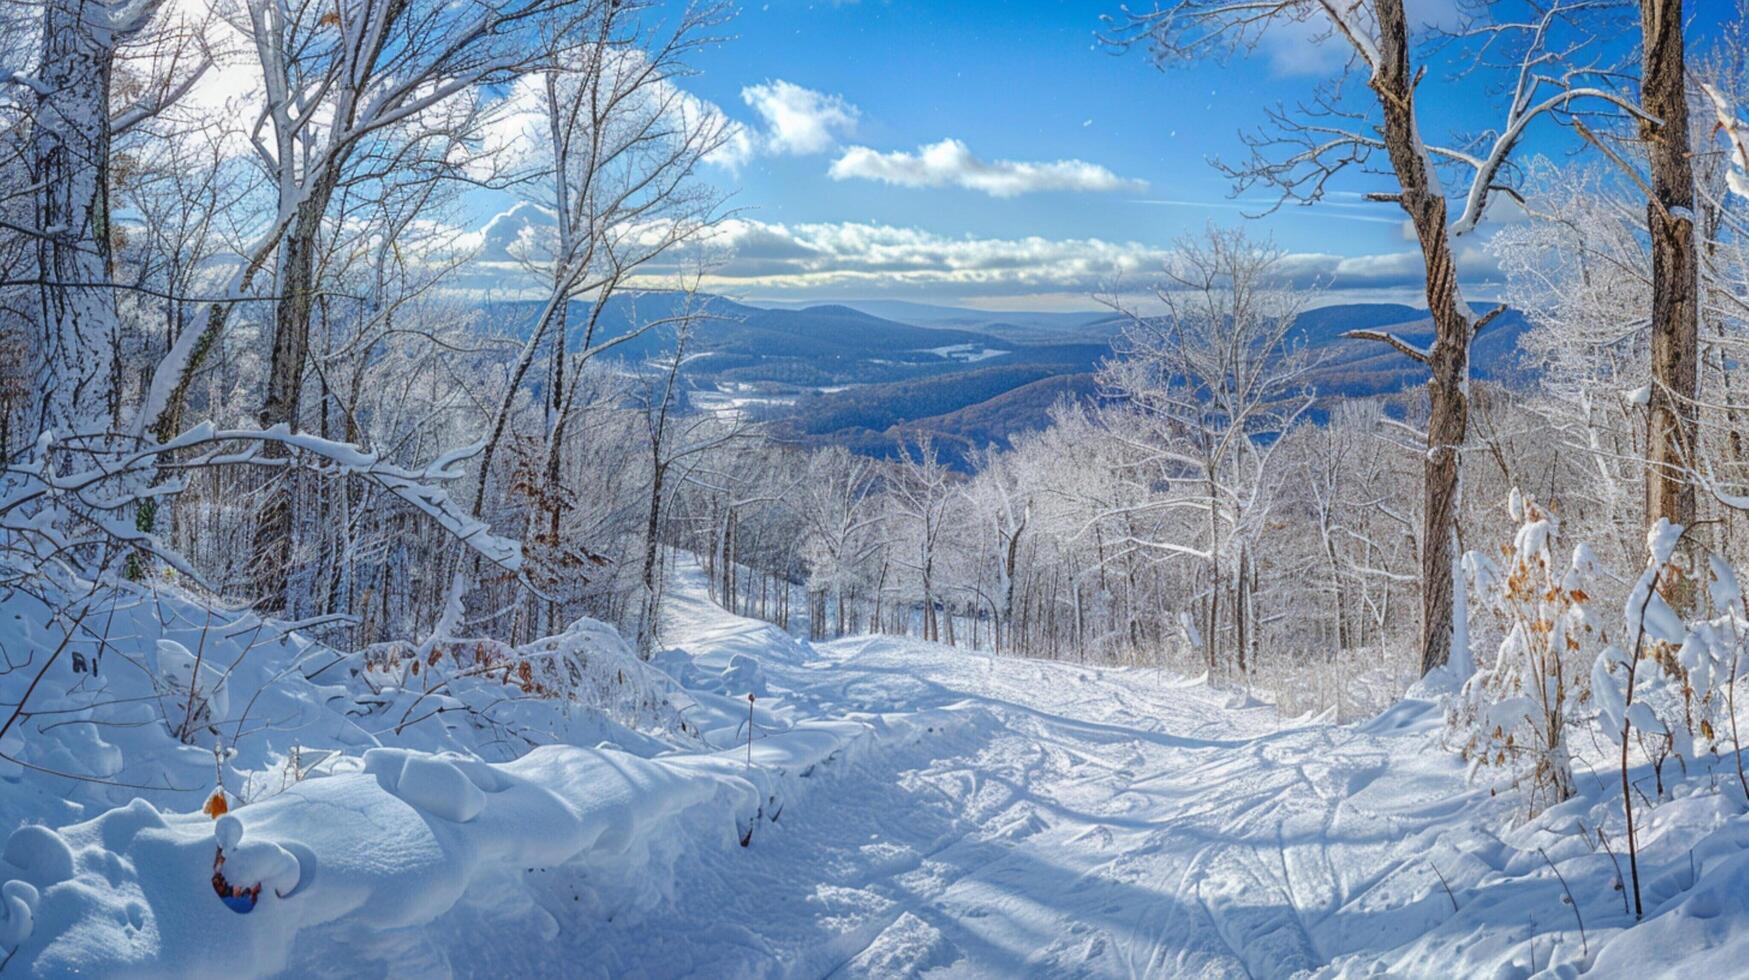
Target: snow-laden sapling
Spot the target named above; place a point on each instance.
(1727, 598)
(1662, 688)
(1674, 710)
(1513, 712)
(193, 688)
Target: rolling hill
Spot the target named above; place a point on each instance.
(862, 373)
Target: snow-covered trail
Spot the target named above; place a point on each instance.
(902, 809)
(1046, 819)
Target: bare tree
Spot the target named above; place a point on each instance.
(1005, 501)
(836, 504)
(620, 145)
(676, 439)
(1210, 382)
(1303, 151)
(921, 491)
(385, 82)
(72, 125)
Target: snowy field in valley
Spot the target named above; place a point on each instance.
(905, 809)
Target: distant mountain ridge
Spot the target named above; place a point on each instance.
(1022, 326)
(860, 373)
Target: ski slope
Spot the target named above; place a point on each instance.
(1059, 820)
(901, 809)
(1050, 819)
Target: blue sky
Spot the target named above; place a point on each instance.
(1014, 81)
(1070, 166)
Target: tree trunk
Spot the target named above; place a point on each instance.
(1449, 358)
(285, 382)
(70, 151)
(930, 631)
(1211, 622)
(554, 313)
(880, 594)
(291, 314)
(1242, 608)
(1670, 432)
(1010, 561)
(1337, 597)
(647, 624)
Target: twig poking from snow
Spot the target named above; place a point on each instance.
(1443, 884)
(1586, 943)
(1620, 881)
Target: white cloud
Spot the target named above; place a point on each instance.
(521, 234)
(517, 134)
(834, 260)
(853, 258)
(799, 121)
(738, 144)
(950, 163)
(849, 255)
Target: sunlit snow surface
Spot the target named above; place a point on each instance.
(909, 809)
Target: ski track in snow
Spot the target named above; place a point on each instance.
(1058, 820)
(907, 809)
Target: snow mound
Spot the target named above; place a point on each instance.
(429, 783)
(371, 812)
(254, 864)
(38, 855)
(398, 843)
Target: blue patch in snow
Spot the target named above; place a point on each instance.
(242, 904)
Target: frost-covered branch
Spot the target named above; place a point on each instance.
(97, 486)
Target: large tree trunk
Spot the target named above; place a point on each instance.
(291, 314)
(1453, 324)
(70, 143)
(285, 382)
(1670, 433)
(1242, 609)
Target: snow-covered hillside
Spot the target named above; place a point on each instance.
(903, 809)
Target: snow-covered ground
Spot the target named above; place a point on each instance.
(734, 399)
(967, 353)
(903, 809)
